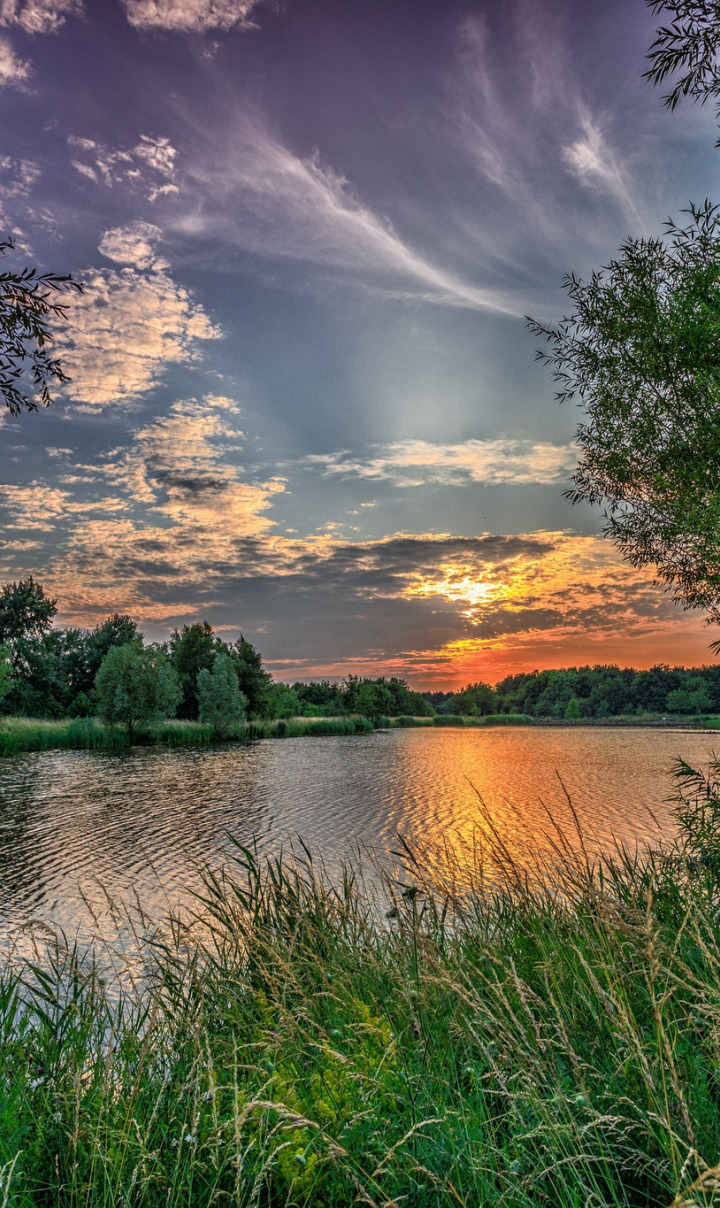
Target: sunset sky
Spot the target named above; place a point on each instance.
(304, 403)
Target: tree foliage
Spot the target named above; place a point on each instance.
(475, 700)
(28, 304)
(221, 704)
(641, 354)
(689, 45)
(192, 650)
(136, 686)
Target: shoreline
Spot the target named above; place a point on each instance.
(20, 736)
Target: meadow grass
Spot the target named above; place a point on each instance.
(478, 1030)
(19, 734)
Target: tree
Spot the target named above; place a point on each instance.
(27, 307)
(26, 614)
(26, 611)
(136, 686)
(691, 45)
(192, 650)
(475, 700)
(5, 671)
(253, 681)
(221, 704)
(641, 352)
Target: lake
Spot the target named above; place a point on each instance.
(84, 835)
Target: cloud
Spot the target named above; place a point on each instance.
(38, 16)
(512, 106)
(17, 176)
(14, 72)
(128, 325)
(253, 191)
(133, 244)
(596, 166)
(149, 166)
(415, 462)
(190, 16)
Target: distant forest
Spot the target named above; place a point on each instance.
(50, 672)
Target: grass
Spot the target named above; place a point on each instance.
(487, 1032)
(19, 734)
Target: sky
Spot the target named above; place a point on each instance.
(304, 403)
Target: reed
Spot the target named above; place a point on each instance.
(478, 1029)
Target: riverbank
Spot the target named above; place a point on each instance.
(21, 734)
(477, 1036)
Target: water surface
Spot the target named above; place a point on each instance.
(84, 834)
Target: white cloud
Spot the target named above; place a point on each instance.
(122, 332)
(38, 16)
(415, 462)
(133, 244)
(14, 72)
(190, 16)
(17, 176)
(591, 160)
(257, 193)
(149, 165)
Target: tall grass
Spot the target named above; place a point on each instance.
(487, 1032)
(18, 734)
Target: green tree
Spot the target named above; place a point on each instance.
(136, 686)
(641, 352)
(253, 680)
(690, 45)
(475, 700)
(27, 307)
(192, 650)
(26, 612)
(117, 630)
(5, 671)
(221, 704)
(282, 701)
(572, 709)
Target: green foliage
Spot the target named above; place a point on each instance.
(221, 704)
(690, 44)
(27, 308)
(464, 1034)
(383, 697)
(26, 613)
(136, 686)
(641, 352)
(5, 671)
(282, 701)
(572, 709)
(475, 700)
(253, 681)
(192, 650)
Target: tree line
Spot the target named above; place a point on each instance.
(111, 672)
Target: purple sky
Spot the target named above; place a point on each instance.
(304, 403)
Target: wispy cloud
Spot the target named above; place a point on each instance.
(149, 166)
(518, 112)
(415, 462)
(14, 72)
(258, 194)
(38, 16)
(596, 166)
(128, 325)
